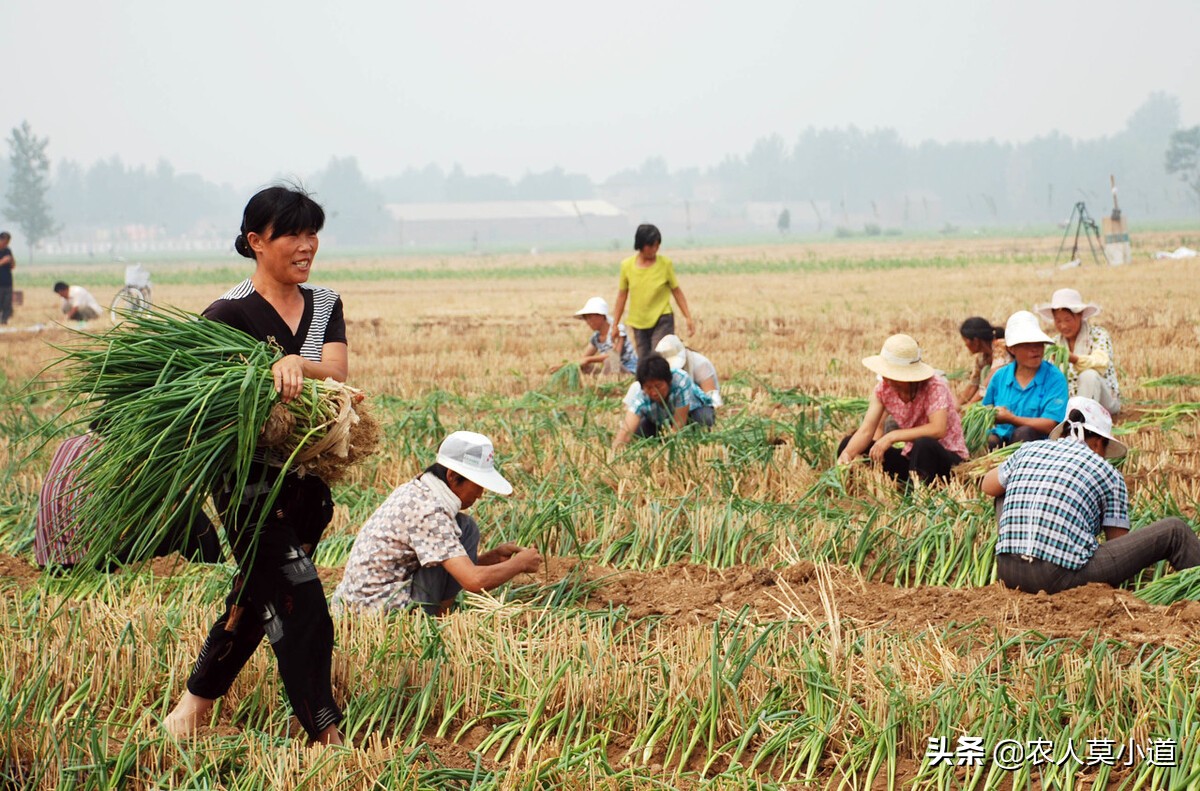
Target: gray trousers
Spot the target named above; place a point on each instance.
(647, 339)
(432, 585)
(1115, 561)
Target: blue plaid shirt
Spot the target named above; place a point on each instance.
(1058, 496)
(684, 392)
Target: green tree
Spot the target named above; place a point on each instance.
(28, 185)
(1183, 157)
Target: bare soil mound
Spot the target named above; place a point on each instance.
(697, 594)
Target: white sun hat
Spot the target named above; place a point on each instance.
(595, 306)
(1070, 299)
(1096, 419)
(1024, 327)
(900, 359)
(470, 455)
(673, 351)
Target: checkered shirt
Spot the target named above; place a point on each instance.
(683, 392)
(1058, 496)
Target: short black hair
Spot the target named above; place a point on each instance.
(5, 235)
(283, 209)
(653, 367)
(980, 329)
(646, 236)
(60, 286)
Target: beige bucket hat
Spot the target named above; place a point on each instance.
(672, 348)
(900, 359)
(1070, 299)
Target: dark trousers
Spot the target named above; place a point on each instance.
(432, 585)
(6, 312)
(1114, 562)
(927, 459)
(647, 339)
(1020, 434)
(276, 592)
(704, 416)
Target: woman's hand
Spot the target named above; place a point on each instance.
(880, 447)
(289, 376)
(691, 324)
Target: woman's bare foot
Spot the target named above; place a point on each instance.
(189, 713)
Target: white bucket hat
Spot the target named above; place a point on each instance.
(1070, 299)
(594, 306)
(1096, 419)
(900, 359)
(673, 350)
(470, 455)
(1024, 327)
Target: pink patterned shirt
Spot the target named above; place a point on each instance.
(932, 395)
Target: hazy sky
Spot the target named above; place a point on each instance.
(241, 91)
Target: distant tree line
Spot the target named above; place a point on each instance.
(848, 171)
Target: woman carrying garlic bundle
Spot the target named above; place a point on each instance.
(924, 409)
(276, 591)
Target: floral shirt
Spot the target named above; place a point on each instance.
(932, 395)
(1094, 351)
(684, 392)
(629, 358)
(414, 527)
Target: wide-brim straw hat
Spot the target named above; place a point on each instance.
(1024, 327)
(596, 306)
(471, 455)
(1097, 420)
(900, 360)
(1070, 299)
(673, 351)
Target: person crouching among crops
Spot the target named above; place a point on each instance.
(1054, 498)
(986, 342)
(1030, 394)
(78, 304)
(694, 364)
(420, 548)
(662, 399)
(276, 591)
(55, 545)
(603, 354)
(919, 400)
(1093, 369)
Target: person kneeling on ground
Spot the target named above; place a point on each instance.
(694, 364)
(1053, 499)
(1093, 371)
(662, 398)
(78, 304)
(55, 545)
(919, 400)
(602, 354)
(1030, 394)
(420, 549)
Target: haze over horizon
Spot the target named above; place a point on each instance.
(240, 93)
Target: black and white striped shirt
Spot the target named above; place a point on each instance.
(322, 322)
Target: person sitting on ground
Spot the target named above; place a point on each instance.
(926, 415)
(1054, 498)
(419, 548)
(1030, 394)
(662, 399)
(986, 342)
(602, 354)
(77, 302)
(54, 542)
(1093, 369)
(694, 364)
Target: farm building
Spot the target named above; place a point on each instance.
(493, 222)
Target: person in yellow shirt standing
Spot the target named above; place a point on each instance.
(647, 284)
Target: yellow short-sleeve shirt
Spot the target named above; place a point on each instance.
(649, 290)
